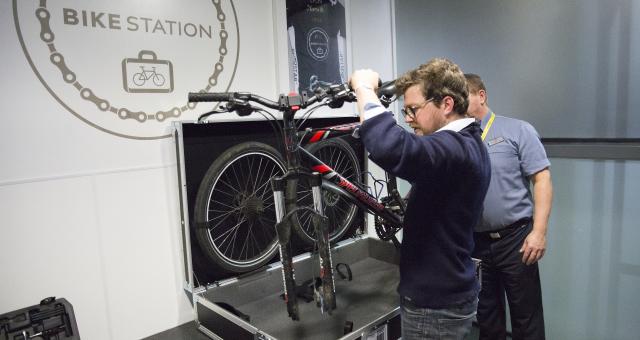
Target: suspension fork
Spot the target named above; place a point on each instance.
(326, 295)
(327, 298)
(283, 229)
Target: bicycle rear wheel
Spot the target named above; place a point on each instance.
(234, 210)
(340, 156)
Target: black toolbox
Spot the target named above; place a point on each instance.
(250, 306)
(51, 319)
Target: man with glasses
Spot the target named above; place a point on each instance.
(510, 238)
(449, 170)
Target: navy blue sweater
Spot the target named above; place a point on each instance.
(449, 172)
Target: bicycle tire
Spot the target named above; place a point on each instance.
(235, 203)
(341, 157)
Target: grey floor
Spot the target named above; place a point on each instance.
(370, 294)
(188, 331)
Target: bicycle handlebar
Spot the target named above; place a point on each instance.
(231, 97)
(209, 96)
(337, 95)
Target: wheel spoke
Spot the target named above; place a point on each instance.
(255, 184)
(229, 231)
(235, 175)
(307, 220)
(217, 224)
(245, 243)
(339, 162)
(223, 204)
(269, 205)
(265, 186)
(229, 185)
(341, 209)
(250, 168)
(224, 192)
(232, 232)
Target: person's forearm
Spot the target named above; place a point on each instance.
(364, 83)
(542, 199)
(365, 95)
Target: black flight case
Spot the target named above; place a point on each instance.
(250, 306)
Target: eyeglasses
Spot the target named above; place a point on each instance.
(412, 110)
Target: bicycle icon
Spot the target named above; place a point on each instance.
(147, 74)
(141, 78)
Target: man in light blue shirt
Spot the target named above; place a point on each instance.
(511, 235)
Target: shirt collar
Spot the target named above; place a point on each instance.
(457, 124)
(485, 120)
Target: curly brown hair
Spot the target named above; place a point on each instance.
(438, 78)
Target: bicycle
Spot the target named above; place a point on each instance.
(232, 201)
(141, 78)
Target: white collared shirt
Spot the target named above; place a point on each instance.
(457, 124)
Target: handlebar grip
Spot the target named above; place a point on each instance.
(210, 96)
(387, 89)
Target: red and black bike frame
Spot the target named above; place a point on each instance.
(357, 194)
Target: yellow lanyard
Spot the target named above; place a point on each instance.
(486, 128)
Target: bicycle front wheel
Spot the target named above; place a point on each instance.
(340, 156)
(234, 211)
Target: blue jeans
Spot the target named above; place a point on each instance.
(424, 323)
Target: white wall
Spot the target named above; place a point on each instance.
(93, 216)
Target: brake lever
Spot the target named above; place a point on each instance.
(386, 101)
(241, 108)
(220, 109)
(340, 94)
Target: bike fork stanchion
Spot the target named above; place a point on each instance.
(327, 294)
(283, 228)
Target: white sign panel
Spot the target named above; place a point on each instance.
(125, 67)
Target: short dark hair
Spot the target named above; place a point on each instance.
(439, 77)
(475, 83)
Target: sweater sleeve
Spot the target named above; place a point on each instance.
(404, 154)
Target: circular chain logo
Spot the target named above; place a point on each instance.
(318, 43)
(124, 68)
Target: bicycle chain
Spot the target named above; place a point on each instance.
(86, 93)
